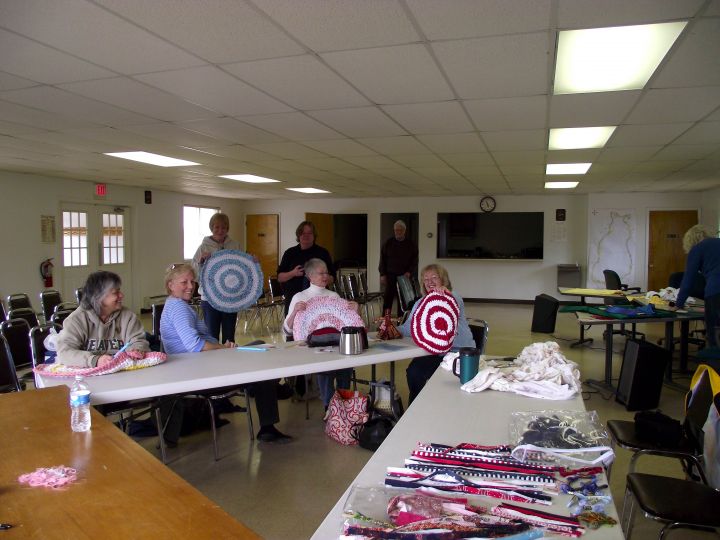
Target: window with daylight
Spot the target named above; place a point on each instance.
(75, 236)
(195, 227)
(113, 239)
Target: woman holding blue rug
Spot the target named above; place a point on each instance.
(217, 241)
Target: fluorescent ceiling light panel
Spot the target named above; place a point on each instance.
(560, 185)
(567, 168)
(307, 190)
(574, 138)
(152, 159)
(250, 178)
(610, 59)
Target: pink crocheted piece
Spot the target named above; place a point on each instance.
(324, 312)
(126, 360)
(53, 477)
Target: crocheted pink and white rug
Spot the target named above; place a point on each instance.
(126, 360)
(324, 312)
(434, 323)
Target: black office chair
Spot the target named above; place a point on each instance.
(18, 300)
(3, 314)
(690, 449)
(8, 375)
(480, 335)
(613, 283)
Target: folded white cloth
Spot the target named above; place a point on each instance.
(540, 370)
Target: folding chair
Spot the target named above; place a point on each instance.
(157, 310)
(17, 335)
(480, 334)
(59, 316)
(37, 341)
(49, 299)
(8, 375)
(18, 300)
(407, 295)
(26, 314)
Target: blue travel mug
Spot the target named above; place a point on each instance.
(469, 360)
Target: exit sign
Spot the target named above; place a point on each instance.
(100, 191)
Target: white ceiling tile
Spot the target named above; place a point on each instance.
(675, 105)
(27, 58)
(11, 82)
(71, 141)
(12, 112)
(314, 85)
(526, 157)
(441, 175)
(387, 75)
(295, 125)
(453, 143)
(11, 128)
(374, 162)
(503, 114)
(328, 164)
(172, 134)
(404, 144)
(420, 118)
(329, 26)
(589, 110)
(359, 122)
(590, 13)
(689, 65)
(288, 166)
(230, 129)
(629, 154)
(646, 134)
(288, 150)
(503, 66)
(517, 170)
(467, 159)
(123, 139)
(97, 36)
(417, 161)
(475, 18)
(692, 151)
(214, 89)
(702, 133)
(476, 171)
(64, 103)
(224, 31)
(531, 139)
(140, 98)
(340, 148)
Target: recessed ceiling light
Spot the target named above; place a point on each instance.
(567, 168)
(250, 178)
(307, 190)
(609, 59)
(152, 159)
(560, 185)
(573, 138)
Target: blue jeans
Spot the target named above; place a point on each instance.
(326, 383)
(215, 319)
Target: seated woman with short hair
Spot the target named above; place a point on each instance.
(182, 331)
(101, 326)
(317, 272)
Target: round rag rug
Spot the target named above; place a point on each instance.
(324, 312)
(231, 280)
(434, 323)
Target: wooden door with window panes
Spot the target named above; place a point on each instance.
(94, 237)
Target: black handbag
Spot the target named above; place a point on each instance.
(658, 428)
(323, 337)
(374, 432)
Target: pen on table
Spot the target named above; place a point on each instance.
(246, 348)
(122, 349)
(5, 526)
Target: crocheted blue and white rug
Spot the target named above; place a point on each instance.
(231, 280)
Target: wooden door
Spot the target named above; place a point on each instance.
(325, 231)
(665, 251)
(261, 240)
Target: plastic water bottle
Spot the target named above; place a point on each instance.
(80, 405)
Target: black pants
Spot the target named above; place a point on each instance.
(215, 320)
(419, 371)
(712, 319)
(390, 293)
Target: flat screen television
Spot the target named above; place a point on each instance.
(492, 235)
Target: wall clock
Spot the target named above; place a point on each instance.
(487, 204)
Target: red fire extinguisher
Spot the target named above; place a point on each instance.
(46, 272)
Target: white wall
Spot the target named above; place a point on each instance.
(706, 202)
(519, 280)
(156, 230)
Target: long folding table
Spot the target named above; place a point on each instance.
(444, 414)
(121, 491)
